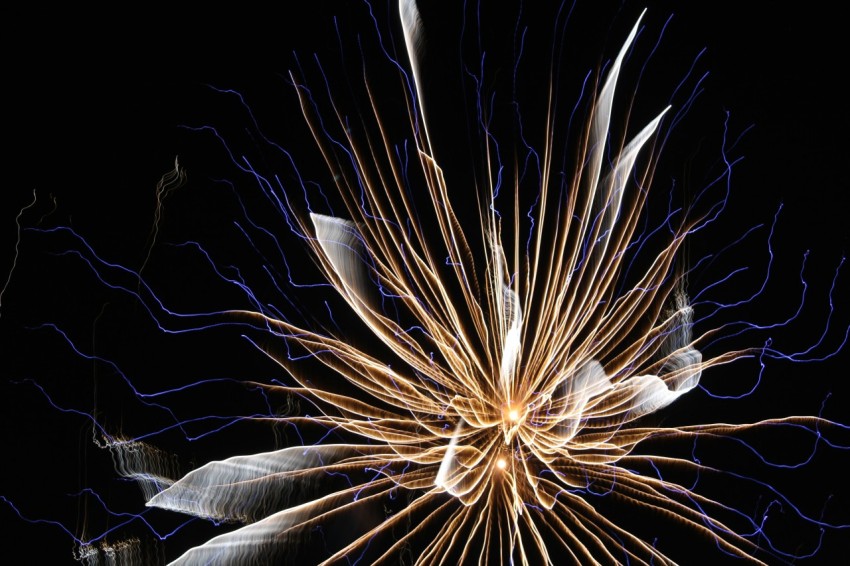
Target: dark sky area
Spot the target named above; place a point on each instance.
(96, 110)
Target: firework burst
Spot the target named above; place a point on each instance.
(521, 385)
(522, 335)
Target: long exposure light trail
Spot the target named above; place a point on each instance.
(495, 389)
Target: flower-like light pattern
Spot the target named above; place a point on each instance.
(518, 391)
(496, 395)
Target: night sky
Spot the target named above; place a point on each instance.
(96, 114)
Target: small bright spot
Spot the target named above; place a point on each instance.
(501, 463)
(513, 415)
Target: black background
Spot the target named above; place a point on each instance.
(92, 116)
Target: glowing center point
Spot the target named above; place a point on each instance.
(501, 463)
(512, 413)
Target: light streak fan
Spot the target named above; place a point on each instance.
(521, 392)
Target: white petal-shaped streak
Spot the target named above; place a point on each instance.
(602, 114)
(274, 539)
(616, 181)
(572, 396)
(512, 323)
(448, 465)
(681, 369)
(411, 24)
(245, 487)
(652, 393)
(343, 246)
